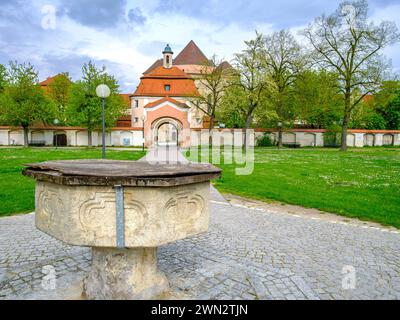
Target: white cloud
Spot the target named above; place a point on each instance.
(122, 47)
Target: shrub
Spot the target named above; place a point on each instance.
(265, 141)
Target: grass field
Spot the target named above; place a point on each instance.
(17, 191)
(362, 183)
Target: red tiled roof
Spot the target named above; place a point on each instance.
(166, 99)
(50, 80)
(225, 65)
(368, 98)
(191, 54)
(153, 84)
(161, 72)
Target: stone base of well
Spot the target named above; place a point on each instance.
(124, 274)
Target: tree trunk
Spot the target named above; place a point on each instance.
(280, 115)
(346, 120)
(280, 137)
(345, 126)
(26, 140)
(211, 126)
(249, 118)
(89, 138)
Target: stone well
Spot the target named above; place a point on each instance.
(124, 210)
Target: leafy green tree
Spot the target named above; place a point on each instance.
(23, 102)
(348, 43)
(388, 91)
(3, 77)
(315, 99)
(367, 117)
(381, 110)
(85, 107)
(232, 111)
(387, 104)
(283, 60)
(391, 113)
(251, 76)
(59, 92)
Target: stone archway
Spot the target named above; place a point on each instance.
(166, 132)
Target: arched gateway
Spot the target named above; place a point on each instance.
(166, 131)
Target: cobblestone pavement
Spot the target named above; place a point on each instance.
(247, 254)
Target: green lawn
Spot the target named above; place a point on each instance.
(362, 183)
(17, 191)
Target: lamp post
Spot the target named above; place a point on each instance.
(143, 118)
(103, 91)
(56, 122)
(279, 135)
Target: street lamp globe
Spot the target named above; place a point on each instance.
(56, 121)
(103, 91)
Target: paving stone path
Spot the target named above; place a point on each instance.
(247, 254)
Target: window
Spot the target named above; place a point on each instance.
(136, 120)
(136, 104)
(167, 60)
(167, 87)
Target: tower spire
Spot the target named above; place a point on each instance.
(167, 61)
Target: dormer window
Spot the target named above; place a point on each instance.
(167, 87)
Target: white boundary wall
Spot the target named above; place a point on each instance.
(127, 137)
(74, 137)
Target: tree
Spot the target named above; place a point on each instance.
(283, 61)
(315, 99)
(59, 92)
(251, 76)
(212, 84)
(387, 104)
(391, 113)
(233, 109)
(348, 44)
(23, 102)
(3, 77)
(85, 107)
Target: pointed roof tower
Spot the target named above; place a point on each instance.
(190, 55)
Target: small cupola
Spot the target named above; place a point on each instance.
(167, 57)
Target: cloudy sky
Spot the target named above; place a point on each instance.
(128, 35)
